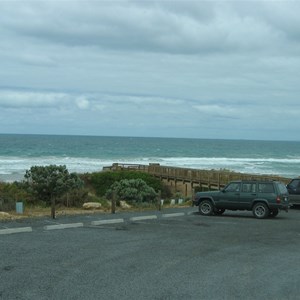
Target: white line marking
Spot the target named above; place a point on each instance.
(16, 230)
(172, 215)
(143, 218)
(191, 212)
(63, 226)
(103, 222)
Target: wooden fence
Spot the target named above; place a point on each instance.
(184, 180)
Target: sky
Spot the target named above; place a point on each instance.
(195, 69)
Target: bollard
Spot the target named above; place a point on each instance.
(19, 207)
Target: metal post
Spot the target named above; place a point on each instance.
(193, 196)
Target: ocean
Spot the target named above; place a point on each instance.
(83, 154)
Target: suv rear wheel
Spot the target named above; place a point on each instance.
(206, 208)
(219, 211)
(260, 210)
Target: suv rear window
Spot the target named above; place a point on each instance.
(282, 188)
(265, 188)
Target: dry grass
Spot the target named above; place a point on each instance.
(36, 212)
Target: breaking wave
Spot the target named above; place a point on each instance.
(14, 168)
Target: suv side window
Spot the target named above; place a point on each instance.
(249, 187)
(265, 188)
(233, 187)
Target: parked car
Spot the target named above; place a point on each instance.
(293, 188)
(264, 198)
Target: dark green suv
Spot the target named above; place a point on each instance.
(264, 198)
(293, 188)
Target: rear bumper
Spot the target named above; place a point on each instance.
(280, 206)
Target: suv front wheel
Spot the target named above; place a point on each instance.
(260, 210)
(206, 208)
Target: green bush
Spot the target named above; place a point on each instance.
(101, 182)
(132, 190)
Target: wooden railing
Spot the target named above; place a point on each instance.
(213, 179)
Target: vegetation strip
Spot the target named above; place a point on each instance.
(15, 230)
(63, 226)
(172, 215)
(143, 218)
(103, 222)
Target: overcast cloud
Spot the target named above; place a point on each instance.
(202, 69)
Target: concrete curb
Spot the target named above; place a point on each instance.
(94, 223)
(141, 218)
(104, 222)
(15, 230)
(173, 215)
(63, 226)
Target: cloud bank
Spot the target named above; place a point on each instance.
(151, 68)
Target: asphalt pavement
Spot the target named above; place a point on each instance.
(172, 254)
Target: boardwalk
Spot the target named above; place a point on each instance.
(185, 180)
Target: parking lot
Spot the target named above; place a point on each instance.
(174, 254)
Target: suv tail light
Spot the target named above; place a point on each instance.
(278, 200)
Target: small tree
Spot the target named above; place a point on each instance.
(50, 182)
(135, 190)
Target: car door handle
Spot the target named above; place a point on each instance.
(253, 194)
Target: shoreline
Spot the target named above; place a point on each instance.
(17, 177)
(90, 154)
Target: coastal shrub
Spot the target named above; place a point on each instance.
(101, 182)
(51, 182)
(132, 190)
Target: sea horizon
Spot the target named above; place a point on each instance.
(150, 137)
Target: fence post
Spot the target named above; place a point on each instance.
(113, 203)
(53, 208)
(159, 201)
(193, 196)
